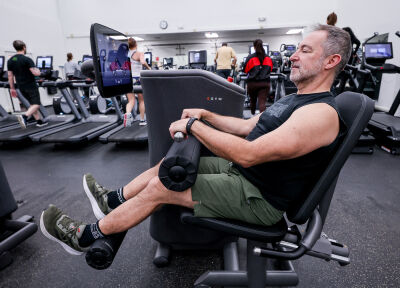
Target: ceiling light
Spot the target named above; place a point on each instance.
(211, 35)
(137, 38)
(118, 37)
(294, 31)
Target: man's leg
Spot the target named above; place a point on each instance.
(33, 110)
(136, 209)
(76, 236)
(104, 200)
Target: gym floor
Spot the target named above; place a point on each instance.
(364, 215)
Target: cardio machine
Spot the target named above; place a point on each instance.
(168, 63)
(12, 232)
(384, 125)
(16, 133)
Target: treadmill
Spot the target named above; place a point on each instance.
(90, 126)
(384, 125)
(15, 133)
(121, 134)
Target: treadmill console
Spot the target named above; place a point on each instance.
(110, 60)
(266, 48)
(86, 57)
(197, 59)
(380, 51)
(168, 62)
(44, 62)
(148, 56)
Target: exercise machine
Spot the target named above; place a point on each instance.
(12, 232)
(283, 242)
(384, 125)
(276, 58)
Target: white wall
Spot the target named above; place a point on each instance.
(58, 27)
(37, 24)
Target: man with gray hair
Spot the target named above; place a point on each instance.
(265, 164)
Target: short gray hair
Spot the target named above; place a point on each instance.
(337, 42)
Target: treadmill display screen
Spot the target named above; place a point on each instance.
(111, 62)
(378, 50)
(44, 62)
(1, 63)
(148, 57)
(168, 61)
(198, 57)
(86, 57)
(290, 48)
(266, 48)
(275, 53)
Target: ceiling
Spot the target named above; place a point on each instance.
(188, 37)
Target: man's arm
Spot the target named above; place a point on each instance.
(35, 71)
(308, 128)
(231, 125)
(11, 82)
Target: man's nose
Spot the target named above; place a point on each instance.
(294, 57)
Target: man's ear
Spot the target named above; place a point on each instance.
(333, 61)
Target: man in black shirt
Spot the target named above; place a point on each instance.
(264, 164)
(24, 71)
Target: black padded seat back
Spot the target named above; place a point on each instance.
(168, 92)
(356, 110)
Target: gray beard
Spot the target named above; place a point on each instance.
(305, 76)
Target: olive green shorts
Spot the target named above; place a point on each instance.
(222, 192)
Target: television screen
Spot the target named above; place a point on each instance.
(110, 60)
(168, 61)
(148, 56)
(1, 63)
(198, 57)
(86, 57)
(378, 50)
(44, 62)
(266, 48)
(290, 47)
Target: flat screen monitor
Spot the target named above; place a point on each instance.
(148, 56)
(1, 63)
(275, 53)
(198, 57)
(44, 62)
(110, 60)
(168, 61)
(291, 48)
(86, 57)
(266, 48)
(378, 50)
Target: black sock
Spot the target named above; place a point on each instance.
(39, 121)
(90, 234)
(115, 198)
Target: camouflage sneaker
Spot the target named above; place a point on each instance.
(97, 195)
(58, 227)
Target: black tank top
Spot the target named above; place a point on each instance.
(285, 182)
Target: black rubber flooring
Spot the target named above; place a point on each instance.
(364, 214)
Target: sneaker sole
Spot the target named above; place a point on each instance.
(70, 250)
(21, 122)
(95, 207)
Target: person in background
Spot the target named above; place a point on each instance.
(331, 19)
(24, 71)
(258, 67)
(137, 63)
(225, 60)
(70, 67)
